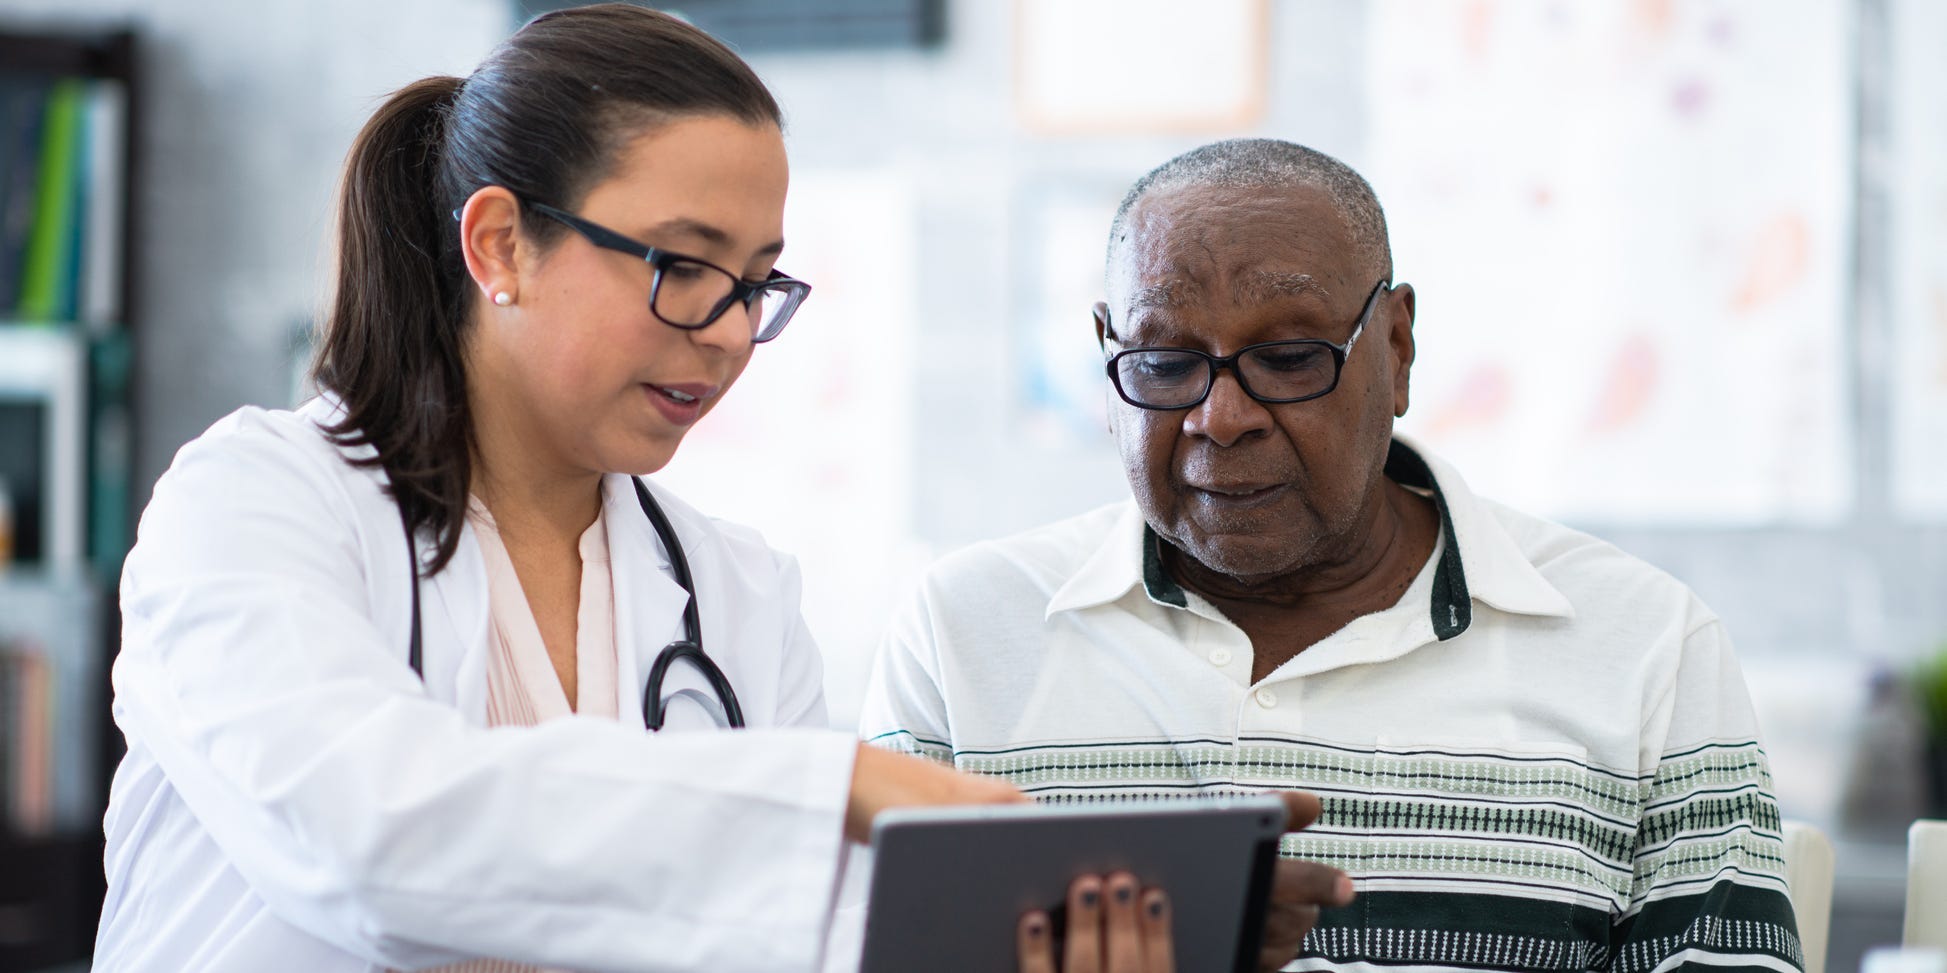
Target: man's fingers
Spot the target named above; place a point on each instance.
(1159, 953)
(1308, 883)
(1034, 943)
(1284, 933)
(1083, 951)
(1301, 808)
(1298, 889)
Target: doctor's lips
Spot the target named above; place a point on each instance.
(681, 403)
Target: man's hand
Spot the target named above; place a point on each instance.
(1298, 890)
(883, 779)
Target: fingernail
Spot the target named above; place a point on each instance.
(1123, 894)
(1089, 898)
(1037, 927)
(1156, 907)
(1344, 888)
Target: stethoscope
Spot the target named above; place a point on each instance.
(689, 647)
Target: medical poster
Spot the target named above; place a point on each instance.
(1060, 251)
(1918, 209)
(1628, 224)
(812, 445)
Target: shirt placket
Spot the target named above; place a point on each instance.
(1218, 644)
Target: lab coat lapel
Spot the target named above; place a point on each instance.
(648, 601)
(454, 611)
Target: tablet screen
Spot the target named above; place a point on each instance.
(949, 885)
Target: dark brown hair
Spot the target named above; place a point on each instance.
(543, 116)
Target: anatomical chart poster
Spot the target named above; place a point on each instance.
(1918, 209)
(1627, 222)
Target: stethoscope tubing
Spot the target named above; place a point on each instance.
(688, 649)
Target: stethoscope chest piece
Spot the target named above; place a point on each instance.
(653, 704)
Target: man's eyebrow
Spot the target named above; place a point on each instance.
(1264, 285)
(714, 236)
(1170, 294)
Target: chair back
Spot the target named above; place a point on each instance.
(1926, 884)
(1808, 873)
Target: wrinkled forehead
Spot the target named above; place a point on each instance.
(1230, 245)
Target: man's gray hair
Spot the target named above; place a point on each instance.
(1268, 164)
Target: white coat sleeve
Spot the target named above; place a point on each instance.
(380, 821)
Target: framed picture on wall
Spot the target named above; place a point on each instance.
(1145, 67)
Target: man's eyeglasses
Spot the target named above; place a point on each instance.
(689, 293)
(1273, 372)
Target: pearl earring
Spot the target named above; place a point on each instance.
(503, 298)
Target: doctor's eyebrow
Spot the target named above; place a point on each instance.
(712, 235)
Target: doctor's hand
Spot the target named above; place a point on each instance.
(883, 779)
(1298, 889)
(1113, 927)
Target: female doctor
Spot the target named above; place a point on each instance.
(384, 661)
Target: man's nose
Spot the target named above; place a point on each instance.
(1227, 414)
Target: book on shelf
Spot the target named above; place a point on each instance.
(50, 671)
(62, 199)
(27, 715)
(23, 108)
(106, 192)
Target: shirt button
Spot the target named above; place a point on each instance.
(1220, 657)
(1266, 698)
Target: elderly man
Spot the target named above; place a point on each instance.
(1534, 752)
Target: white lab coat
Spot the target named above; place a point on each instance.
(294, 798)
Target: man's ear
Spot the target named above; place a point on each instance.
(1103, 335)
(1399, 337)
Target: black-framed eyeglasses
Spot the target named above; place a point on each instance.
(1272, 372)
(690, 293)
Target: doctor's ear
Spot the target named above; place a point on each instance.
(491, 243)
(1103, 333)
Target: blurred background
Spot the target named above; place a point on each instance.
(1681, 264)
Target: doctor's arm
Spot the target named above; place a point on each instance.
(377, 819)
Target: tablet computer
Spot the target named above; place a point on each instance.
(949, 885)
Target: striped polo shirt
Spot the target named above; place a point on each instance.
(1543, 757)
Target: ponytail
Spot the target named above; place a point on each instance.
(544, 116)
(392, 348)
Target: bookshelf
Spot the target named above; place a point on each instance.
(68, 165)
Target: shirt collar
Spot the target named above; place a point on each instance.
(1492, 567)
(1113, 569)
(1479, 561)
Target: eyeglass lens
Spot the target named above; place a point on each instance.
(1171, 378)
(692, 294)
